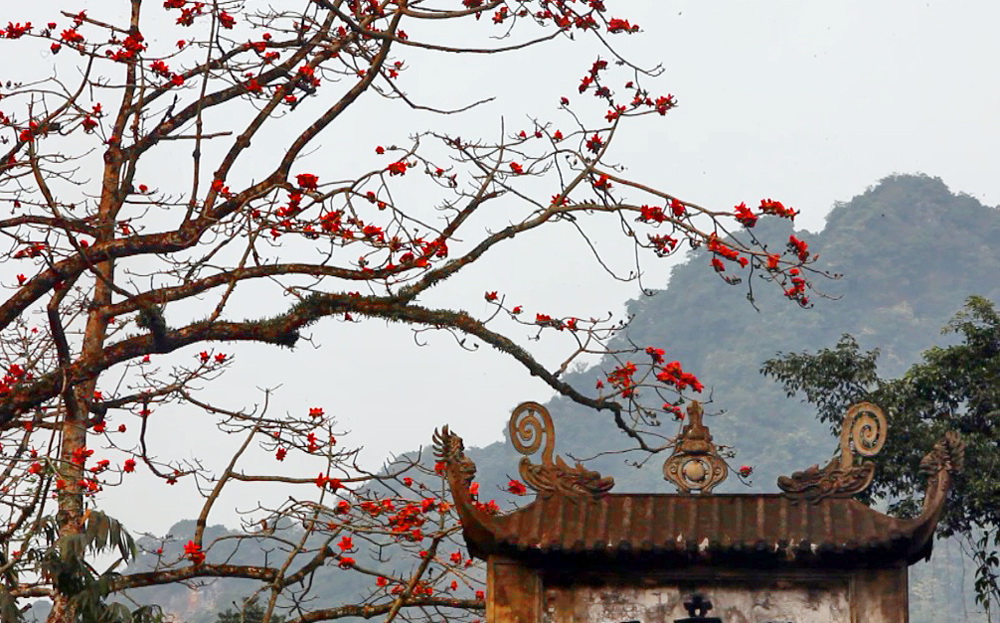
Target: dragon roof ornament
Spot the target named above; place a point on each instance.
(863, 433)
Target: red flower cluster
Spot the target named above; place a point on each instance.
(621, 25)
(798, 288)
(745, 216)
(307, 181)
(15, 31)
(516, 487)
(673, 374)
(719, 248)
(15, 374)
(594, 143)
(673, 410)
(32, 250)
(767, 206)
(325, 481)
(657, 354)
(651, 213)
(489, 508)
(622, 378)
(70, 35)
(397, 168)
(192, 551)
(799, 248)
(131, 47)
(663, 245)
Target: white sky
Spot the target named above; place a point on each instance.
(805, 102)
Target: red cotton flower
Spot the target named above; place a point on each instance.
(656, 353)
(621, 25)
(345, 544)
(516, 168)
(193, 552)
(70, 35)
(307, 181)
(799, 247)
(745, 470)
(594, 143)
(226, 20)
(517, 487)
(677, 207)
(745, 217)
(769, 206)
(280, 454)
(129, 466)
(346, 562)
(490, 296)
(397, 168)
(315, 411)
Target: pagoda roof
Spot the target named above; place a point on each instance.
(694, 528)
(574, 517)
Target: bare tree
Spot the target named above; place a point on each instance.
(159, 182)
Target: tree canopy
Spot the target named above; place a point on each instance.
(953, 388)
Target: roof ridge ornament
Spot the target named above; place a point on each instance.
(863, 433)
(695, 465)
(530, 424)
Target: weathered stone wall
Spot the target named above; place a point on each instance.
(781, 602)
(627, 594)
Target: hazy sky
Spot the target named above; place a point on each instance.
(808, 103)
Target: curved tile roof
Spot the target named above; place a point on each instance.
(669, 530)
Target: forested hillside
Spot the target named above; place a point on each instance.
(909, 251)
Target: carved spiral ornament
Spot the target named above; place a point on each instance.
(530, 425)
(864, 431)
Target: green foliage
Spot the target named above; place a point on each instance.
(64, 560)
(953, 388)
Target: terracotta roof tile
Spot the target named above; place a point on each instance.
(697, 526)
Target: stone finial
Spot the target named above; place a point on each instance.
(695, 465)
